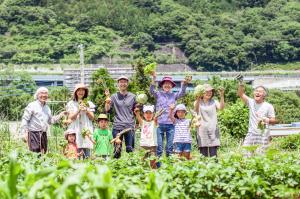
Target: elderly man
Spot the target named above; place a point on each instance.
(261, 114)
(35, 121)
(123, 103)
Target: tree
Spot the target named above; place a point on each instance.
(101, 80)
(16, 90)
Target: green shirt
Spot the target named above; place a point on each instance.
(102, 139)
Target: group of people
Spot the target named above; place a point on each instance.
(165, 119)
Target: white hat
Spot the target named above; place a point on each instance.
(148, 108)
(122, 77)
(38, 91)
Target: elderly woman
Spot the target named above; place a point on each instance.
(260, 112)
(208, 135)
(81, 115)
(36, 120)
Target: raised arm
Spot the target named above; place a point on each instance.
(152, 85)
(107, 105)
(137, 113)
(197, 105)
(241, 93)
(221, 105)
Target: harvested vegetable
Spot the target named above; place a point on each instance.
(84, 102)
(150, 68)
(85, 132)
(199, 91)
(142, 98)
(261, 126)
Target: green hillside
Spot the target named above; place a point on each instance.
(214, 34)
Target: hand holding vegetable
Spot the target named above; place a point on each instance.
(187, 79)
(221, 91)
(199, 91)
(150, 68)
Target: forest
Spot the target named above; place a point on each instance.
(215, 35)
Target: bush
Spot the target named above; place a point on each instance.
(291, 142)
(233, 120)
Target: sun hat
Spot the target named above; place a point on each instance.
(102, 116)
(208, 87)
(148, 108)
(167, 78)
(78, 86)
(179, 107)
(122, 77)
(69, 132)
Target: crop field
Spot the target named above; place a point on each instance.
(275, 174)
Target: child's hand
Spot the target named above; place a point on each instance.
(136, 110)
(172, 107)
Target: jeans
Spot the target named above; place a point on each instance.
(182, 147)
(129, 142)
(86, 152)
(161, 130)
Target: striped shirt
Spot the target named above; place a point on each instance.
(37, 117)
(182, 131)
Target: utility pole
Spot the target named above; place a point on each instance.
(81, 55)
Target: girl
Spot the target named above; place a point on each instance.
(70, 151)
(148, 130)
(182, 137)
(163, 99)
(81, 113)
(208, 136)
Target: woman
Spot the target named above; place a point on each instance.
(208, 136)
(81, 113)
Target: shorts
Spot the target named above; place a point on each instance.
(182, 147)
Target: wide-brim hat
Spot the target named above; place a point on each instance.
(179, 107)
(69, 132)
(167, 78)
(208, 87)
(78, 86)
(102, 116)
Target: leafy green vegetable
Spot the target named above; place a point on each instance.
(142, 98)
(150, 68)
(199, 91)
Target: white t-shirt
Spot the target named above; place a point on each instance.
(257, 112)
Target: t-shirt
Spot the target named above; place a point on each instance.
(123, 105)
(71, 151)
(182, 131)
(102, 139)
(148, 134)
(257, 112)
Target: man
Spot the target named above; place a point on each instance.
(35, 122)
(261, 114)
(123, 102)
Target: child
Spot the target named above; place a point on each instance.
(148, 131)
(71, 150)
(102, 137)
(182, 138)
(163, 99)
